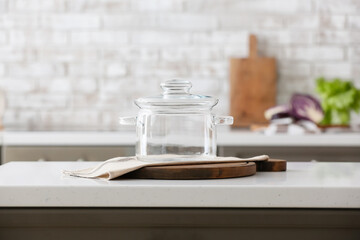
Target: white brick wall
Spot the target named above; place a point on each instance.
(314, 53)
(69, 21)
(78, 64)
(99, 38)
(23, 38)
(2, 70)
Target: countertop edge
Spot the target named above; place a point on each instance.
(178, 197)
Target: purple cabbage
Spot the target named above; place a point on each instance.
(306, 107)
(281, 111)
(301, 107)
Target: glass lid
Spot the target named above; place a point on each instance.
(176, 94)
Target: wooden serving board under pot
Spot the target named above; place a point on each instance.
(208, 171)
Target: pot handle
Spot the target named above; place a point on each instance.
(127, 120)
(223, 120)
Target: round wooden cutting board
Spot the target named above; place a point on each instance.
(198, 171)
(209, 171)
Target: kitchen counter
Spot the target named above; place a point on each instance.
(303, 185)
(226, 137)
(310, 201)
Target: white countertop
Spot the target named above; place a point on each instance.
(303, 185)
(225, 137)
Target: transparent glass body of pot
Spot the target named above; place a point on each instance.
(176, 124)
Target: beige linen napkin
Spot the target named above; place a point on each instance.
(119, 166)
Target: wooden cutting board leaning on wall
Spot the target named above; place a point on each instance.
(252, 87)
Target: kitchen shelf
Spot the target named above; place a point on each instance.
(225, 138)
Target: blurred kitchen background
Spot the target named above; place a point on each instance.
(79, 64)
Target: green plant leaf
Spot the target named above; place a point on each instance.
(356, 104)
(342, 100)
(338, 99)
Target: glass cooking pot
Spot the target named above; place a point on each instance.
(176, 124)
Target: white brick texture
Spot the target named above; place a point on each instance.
(255, 7)
(160, 38)
(78, 64)
(3, 6)
(177, 22)
(8, 54)
(246, 22)
(101, 38)
(84, 85)
(354, 23)
(26, 6)
(37, 38)
(116, 70)
(3, 38)
(314, 53)
(157, 5)
(56, 85)
(96, 6)
(38, 101)
(338, 37)
(337, 6)
(35, 70)
(70, 21)
(334, 70)
(354, 54)
(2, 70)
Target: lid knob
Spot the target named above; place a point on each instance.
(176, 86)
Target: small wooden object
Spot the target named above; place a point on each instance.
(272, 165)
(208, 171)
(252, 87)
